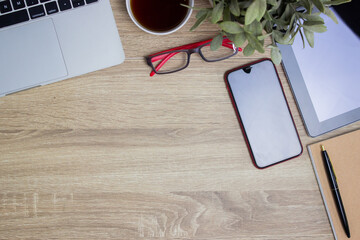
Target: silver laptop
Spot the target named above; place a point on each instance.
(44, 41)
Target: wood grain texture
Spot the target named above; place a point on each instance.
(116, 154)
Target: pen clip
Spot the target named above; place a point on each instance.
(331, 165)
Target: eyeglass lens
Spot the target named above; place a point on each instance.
(176, 62)
(217, 55)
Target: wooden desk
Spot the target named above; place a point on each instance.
(117, 154)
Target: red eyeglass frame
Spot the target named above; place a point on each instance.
(191, 48)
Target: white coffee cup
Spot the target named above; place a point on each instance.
(186, 18)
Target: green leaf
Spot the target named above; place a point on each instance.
(280, 23)
(254, 42)
(216, 42)
(276, 55)
(268, 26)
(234, 8)
(302, 38)
(292, 21)
(244, 4)
(202, 12)
(314, 26)
(251, 13)
(255, 28)
(307, 5)
(217, 12)
(262, 9)
(242, 12)
(290, 34)
(331, 14)
(291, 41)
(319, 5)
(290, 30)
(279, 37)
(256, 10)
(336, 2)
(226, 14)
(312, 17)
(309, 37)
(239, 39)
(286, 37)
(311, 23)
(231, 27)
(275, 7)
(272, 2)
(248, 51)
(267, 16)
(288, 13)
(262, 37)
(200, 19)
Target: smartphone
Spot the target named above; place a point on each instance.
(263, 113)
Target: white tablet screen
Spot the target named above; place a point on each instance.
(331, 70)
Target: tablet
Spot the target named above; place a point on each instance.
(325, 79)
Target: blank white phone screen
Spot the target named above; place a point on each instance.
(264, 114)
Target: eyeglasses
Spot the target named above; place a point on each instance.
(176, 59)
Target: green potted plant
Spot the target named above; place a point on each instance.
(251, 21)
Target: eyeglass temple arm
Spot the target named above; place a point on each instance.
(187, 46)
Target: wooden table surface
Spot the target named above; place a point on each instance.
(116, 154)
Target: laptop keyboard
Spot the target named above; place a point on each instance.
(17, 11)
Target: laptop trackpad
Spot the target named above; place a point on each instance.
(30, 55)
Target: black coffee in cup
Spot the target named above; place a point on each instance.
(159, 15)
